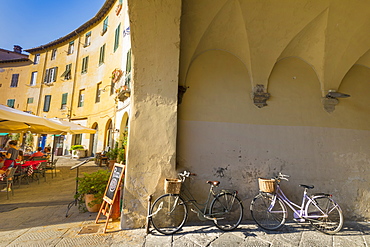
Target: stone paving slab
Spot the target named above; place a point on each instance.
(35, 216)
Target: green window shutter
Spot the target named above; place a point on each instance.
(10, 103)
(102, 54)
(47, 103)
(128, 61)
(64, 98)
(29, 100)
(116, 38)
(46, 78)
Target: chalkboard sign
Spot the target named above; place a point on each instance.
(114, 182)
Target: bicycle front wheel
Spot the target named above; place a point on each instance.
(268, 211)
(168, 214)
(324, 214)
(227, 210)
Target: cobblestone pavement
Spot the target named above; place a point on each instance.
(35, 216)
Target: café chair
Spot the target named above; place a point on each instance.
(8, 181)
(40, 171)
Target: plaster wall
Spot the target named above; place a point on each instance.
(155, 36)
(222, 135)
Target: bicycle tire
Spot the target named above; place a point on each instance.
(331, 224)
(168, 214)
(228, 211)
(272, 219)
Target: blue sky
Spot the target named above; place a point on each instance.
(30, 23)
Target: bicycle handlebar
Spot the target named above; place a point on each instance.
(186, 174)
(283, 176)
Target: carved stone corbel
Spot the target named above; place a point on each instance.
(260, 96)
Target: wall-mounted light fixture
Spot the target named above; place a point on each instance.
(331, 100)
(334, 94)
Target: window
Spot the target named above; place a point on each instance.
(71, 47)
(85, 62)
(50, 75)
(10, 103)
(78, 139)
(64, 101)
(37, 59)
(128, 69)
(53, 54)
(67, 75)
(98, 92)
(29, 100)
(47, 103)
(87, 39)
(102, 54)
(105, 26)
(116, 38)
(81, 98)
(33, 78)
(14, 82)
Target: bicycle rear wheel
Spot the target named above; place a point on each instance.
(268, 211)
(324, 214)
(168, 214)
(228, 211)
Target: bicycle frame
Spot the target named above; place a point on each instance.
(190, 200)
(301, 210)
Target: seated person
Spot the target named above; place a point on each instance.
(38, 153)
(47, 152)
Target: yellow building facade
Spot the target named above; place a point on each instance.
(78, 78)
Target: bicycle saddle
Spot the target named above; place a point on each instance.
(214, 183)
(307, 186)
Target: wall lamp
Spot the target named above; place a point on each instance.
(333, 94)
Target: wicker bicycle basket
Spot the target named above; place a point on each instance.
(266, 185)
(172, 186)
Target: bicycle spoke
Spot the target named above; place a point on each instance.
(227, 210)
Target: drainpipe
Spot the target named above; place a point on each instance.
(74, 76)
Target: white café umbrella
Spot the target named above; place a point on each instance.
(73, 128)
(14, 121)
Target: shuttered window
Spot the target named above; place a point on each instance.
(81, 98)
(105, 26)
(47, 102)
(85, 62)
(29, 100)
(10, 103)
(102, 54)
(64, 100)
(67, 73)
(50, 75)
(116, 38)
(14, 82)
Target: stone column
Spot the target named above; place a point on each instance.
(155, 39)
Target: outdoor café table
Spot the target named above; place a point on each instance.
(33, 163)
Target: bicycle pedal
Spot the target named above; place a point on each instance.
(299, 220)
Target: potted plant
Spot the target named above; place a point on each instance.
(78, 151)
(91, 188)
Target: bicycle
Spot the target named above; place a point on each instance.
(269, 210)
(169, 212)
